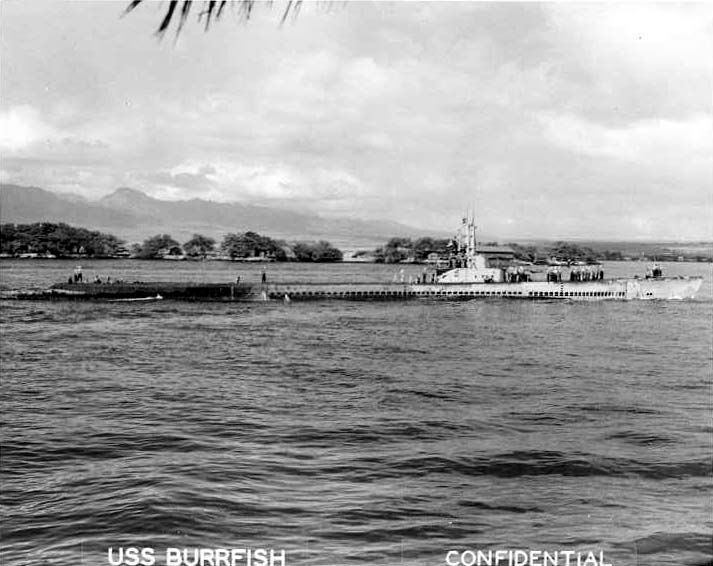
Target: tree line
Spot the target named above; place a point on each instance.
(61, 240)
(237, 246)
(417, 250)
(403, 249)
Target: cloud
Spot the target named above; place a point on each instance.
(21, 126)
(635, 60)
(25, 133)
(645, 39)
(661, 145)
(398, 110)
(279, 185)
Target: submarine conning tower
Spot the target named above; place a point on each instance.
(474, 268)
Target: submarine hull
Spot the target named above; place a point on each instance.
(665, 288)
(615, 289)
(142, 290)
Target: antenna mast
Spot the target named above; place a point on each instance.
(470, 234)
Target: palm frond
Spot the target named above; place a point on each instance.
(167, 18)
(213, 10)
(220, 8)
(184, 15)
(132, 5)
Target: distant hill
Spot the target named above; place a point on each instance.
(133, 216)
(32, 204)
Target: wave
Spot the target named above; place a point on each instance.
(537, 463)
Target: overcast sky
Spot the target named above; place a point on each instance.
(556, 120)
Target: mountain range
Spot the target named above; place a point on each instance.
(133, 216)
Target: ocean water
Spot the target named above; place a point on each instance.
(345, 433)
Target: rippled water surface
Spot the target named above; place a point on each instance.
(353, 432)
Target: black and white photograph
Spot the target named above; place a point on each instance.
(356, 283)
